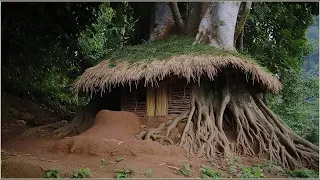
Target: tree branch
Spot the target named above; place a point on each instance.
(242, 21)
(193, 18)
(176, 15)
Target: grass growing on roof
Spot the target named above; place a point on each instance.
(164, 49)
(175, 55)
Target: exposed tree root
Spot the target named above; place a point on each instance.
(83, 120)
(31, 131)
(257, 129)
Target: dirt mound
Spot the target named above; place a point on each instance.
(119, 125)
(88, 146)
(114, 134)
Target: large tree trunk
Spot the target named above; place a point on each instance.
(218, 24)
(162, 21)
(233, 105)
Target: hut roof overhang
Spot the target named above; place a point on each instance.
(192, 65)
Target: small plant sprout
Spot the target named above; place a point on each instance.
(237, 159)
(185, 170)
(102, 163)
(206, 173)
(123, 173)
(52, 173)
(120, 159)
(82, 173)
(252, 172)
(148, 173)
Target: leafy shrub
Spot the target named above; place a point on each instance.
(185, 170)
(206, 172)
(110, 31)
(52, 173)
(82, 173)
(297, 104)
(252, 172)
(148, 173)
(123, 173)
(303, 173)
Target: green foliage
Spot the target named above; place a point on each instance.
(9, 111)
(206, 172)
(148, 173)
(298, 105)
(311, 63)
(235, 159)
(111, 31)
(123, 173)
(53, 173)
(252, 172)
(82, 173)
(45, 56)
(303, 173)
(41, 49)
(186, 171)
(275, 36)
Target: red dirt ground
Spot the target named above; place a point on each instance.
(111, 137)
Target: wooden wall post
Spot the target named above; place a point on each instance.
(162, 99)
(151, 101)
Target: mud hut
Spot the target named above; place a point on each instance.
(218, 97)
(156, 79)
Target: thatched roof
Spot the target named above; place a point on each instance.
(126, 70)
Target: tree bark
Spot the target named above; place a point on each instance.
(163, 21)
(241, 40)
(218, 25)
(193, 18)
(177, 16)
(239, 29)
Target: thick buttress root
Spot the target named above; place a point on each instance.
(256, 129)
(83, 121)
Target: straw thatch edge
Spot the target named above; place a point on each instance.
(103, 77)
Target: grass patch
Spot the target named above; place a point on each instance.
(186, 170)
(148, 173)
(206, 172)
(52, 173)
(164, 49)
(123, 173)
(82, 173)
(252, 172)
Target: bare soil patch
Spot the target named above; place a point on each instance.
(112, 139)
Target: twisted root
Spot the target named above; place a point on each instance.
(258, 130)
